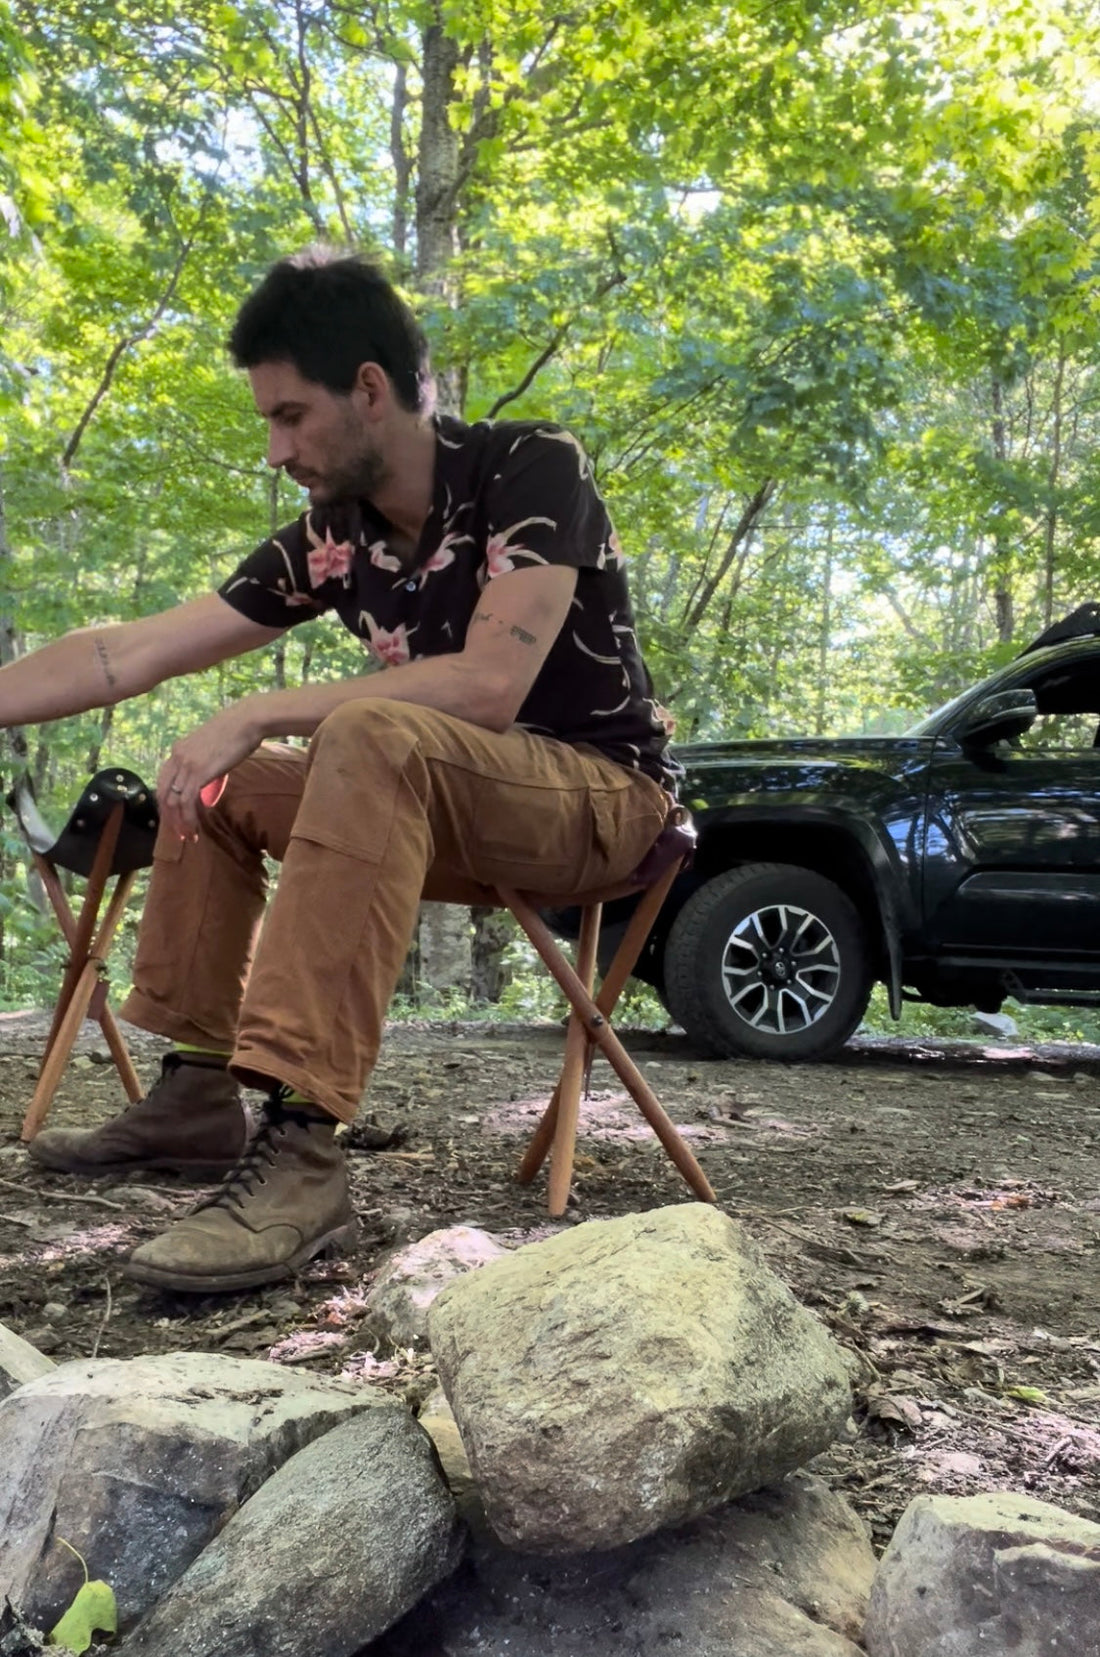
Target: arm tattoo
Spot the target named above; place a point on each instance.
(105, 662)
(514, 632)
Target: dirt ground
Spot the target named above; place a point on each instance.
(938, 1205)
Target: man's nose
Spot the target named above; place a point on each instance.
(280, 449)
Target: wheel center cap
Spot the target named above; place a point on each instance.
(780, 969)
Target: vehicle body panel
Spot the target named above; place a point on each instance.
(975, 867)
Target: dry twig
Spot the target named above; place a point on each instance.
(104, 1320)
(61, 1196)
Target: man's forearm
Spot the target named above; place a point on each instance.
(450, 683)
(85, 669)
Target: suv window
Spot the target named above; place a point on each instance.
(1069, 711)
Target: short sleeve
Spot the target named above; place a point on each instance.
(542, 507)
(297, 574)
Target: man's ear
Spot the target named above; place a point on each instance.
(372, 381)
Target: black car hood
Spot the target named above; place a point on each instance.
(877, 752)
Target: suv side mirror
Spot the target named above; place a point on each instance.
(999, 717)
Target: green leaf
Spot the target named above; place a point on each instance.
(94, 1609)
(1027, 1395)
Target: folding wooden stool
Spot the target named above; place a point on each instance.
(589, 1021)
(110, 834)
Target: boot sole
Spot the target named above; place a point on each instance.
(189, 1283)
(162, 1165)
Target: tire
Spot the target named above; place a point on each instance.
(770, 961)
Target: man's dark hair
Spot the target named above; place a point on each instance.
(325, 313)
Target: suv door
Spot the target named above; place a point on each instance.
(1012, 843)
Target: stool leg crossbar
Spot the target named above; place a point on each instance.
(589, 1028)
(84, 988)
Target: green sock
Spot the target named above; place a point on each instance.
(204, 1052)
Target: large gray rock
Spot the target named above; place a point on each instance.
(408, 1282)
(783, 1573)
(630, 1374)
(20, 1362)
(437, 1419)
(138, 1464)
(971, 1576)
(337, 1545)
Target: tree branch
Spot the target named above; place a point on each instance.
(750, 517)
(118, 351)
(614, 280)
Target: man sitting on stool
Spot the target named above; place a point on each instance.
(512, 739)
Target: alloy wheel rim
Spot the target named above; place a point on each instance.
(781, 969)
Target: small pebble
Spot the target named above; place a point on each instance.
(55, 1311)
(285, 1308)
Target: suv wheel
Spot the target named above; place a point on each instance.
(768, 960)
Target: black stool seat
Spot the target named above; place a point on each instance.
(75, 847)
(110, 834)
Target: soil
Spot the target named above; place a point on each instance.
(937, 1204)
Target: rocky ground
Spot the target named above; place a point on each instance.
(937, 1205)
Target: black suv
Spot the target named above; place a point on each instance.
(957, 864)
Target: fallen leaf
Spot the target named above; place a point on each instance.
(93, 1610)
(900, 1187)
(897, 1409)
(1027, 1395)
(860, 1216)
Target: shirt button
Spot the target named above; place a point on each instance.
(410, 586)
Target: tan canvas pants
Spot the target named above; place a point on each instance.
(392, 803)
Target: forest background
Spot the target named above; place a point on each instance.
(816, 284)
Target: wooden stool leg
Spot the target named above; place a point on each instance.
(112, 1035)
(621, 967)
(599, 1031)
(541, 1140)
(543, 1136)
(569, 1084)
(58, 1056)
(650, 1107)
(78, 931)
(118, 1050)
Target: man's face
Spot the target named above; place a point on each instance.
(321, 439)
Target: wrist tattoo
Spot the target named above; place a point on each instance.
(105, 662)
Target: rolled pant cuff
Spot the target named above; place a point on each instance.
(163, 1021)
(256, 1068)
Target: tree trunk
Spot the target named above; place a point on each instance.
(437, 188)
(10, 647)
(1003, 602)
(1050, 527)
(444, 929)
(494, 929)
(825, 635)
(445, 948)
(399, 159)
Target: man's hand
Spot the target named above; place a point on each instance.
(204, 757)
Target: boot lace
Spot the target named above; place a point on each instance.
(260, 1154)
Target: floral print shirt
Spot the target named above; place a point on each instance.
(507, 496)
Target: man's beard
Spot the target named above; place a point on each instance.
(352, 480)
(359, 470)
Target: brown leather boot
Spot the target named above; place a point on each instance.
(191, 1122)
(286, 1200)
